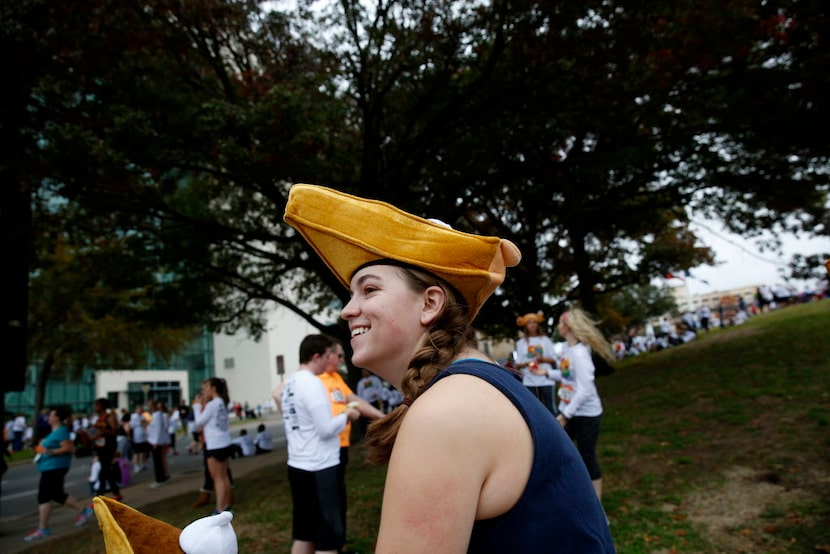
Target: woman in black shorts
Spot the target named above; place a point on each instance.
(213, 422)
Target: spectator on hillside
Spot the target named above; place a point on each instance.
(704, 315)
(243, 445)
(263, 441)
(689, 320)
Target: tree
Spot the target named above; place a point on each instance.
(588, 133)
(633, 306)
(96, 305)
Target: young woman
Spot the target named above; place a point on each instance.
(534, 353)
(104, 435)
(476, 462)
(55, 457)
(213, 421)
(580, 407)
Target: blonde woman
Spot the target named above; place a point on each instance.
(580, 408)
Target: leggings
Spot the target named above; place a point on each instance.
(107, 475)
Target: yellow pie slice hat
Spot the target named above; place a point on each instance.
(349, 232)
(538, 317)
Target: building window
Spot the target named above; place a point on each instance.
(228, 363)
(280, 365)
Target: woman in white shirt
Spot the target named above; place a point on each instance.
(580, 408)
(535, 358)
(213, 422)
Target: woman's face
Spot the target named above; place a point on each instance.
(532, 327)
(386, 320)
(54, 420)
(208, 391)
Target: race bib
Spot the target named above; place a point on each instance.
(566, 392)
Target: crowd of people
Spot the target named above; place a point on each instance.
(730, 310)
(469, 443)
(121, 444)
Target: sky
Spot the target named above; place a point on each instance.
(740, 263)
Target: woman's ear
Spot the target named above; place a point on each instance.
(434, 300)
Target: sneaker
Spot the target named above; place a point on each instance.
(155, 485)
(83, 517)
(118, 498)
(37, 534)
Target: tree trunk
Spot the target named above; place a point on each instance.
(43, 377)
(582, 266)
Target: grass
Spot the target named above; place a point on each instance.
(719, 445)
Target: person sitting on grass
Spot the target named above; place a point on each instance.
(263, 441)
(243, 445)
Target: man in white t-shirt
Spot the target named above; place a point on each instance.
(312, 437)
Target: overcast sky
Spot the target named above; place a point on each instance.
(740, 263)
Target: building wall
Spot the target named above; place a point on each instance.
(711, 299)
(251, 367)
(195, 359)
(126, 388)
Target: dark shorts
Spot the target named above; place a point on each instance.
(317, 508)
(141, 447)
(584, 431)
(220, 454)
(51, 486)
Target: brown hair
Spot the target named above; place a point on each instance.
(447, 336)
(221, 387)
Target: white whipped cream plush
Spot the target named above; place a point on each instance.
(210, 535)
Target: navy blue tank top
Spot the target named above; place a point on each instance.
(558, 510)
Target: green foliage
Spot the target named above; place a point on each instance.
(632, 306)
(588, 133)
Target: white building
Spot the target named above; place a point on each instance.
(254, 368)
(125, 387)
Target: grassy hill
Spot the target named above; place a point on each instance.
(719, 445)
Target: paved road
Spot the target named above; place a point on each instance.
(18, 496)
